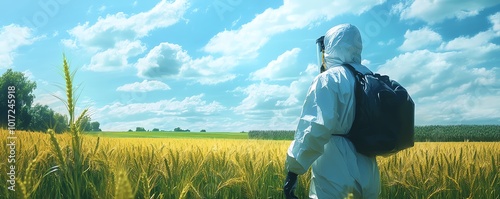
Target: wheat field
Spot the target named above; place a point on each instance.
(225, 168)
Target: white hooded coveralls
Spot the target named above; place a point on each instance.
(329, 108)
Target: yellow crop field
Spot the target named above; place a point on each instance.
(223, 168)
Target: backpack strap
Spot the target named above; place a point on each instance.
(356, 73)
(359, 76)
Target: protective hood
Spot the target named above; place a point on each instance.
(343, 45)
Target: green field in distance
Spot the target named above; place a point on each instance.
(163, 134)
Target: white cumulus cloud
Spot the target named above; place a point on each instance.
(209, 70)
(269, 106)
(261, 96)
(107, 31)
(170, 60)
(478, 45)
(449, 87)
(495, 20)
(106, 37)
(189, 106)
(163, 60)
(115, 58)
(279, 68)
(420, 39)
(293, 14)
(464, 43)
(13, 37)
(224, 55)
(252, 36)
(144, 86)
(432, 11)
(454, 83)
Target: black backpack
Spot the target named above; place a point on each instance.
(384, 118)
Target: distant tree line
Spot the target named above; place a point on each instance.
(31, 117)
(177, 129)
(434, 133)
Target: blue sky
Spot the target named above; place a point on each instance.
(233, 65)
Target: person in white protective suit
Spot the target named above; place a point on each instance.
(338, 171)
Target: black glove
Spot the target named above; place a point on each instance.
(290, 184)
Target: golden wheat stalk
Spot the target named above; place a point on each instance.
(68, 77)
(73, 168)
(57, 148)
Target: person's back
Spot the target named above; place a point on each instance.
(337, 169)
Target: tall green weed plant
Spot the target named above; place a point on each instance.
(72, 165)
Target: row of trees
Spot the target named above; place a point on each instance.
(28, 116)
(177, 129)
(22, 96)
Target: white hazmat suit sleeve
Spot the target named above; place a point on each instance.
(322, 115)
